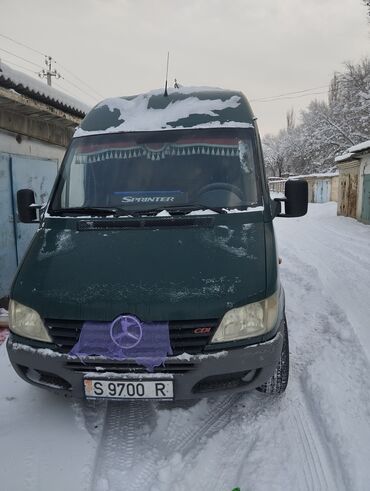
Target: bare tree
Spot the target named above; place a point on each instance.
(290, 119)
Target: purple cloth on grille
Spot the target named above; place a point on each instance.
(148, 344)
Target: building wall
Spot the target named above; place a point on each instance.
(320, 188)
(334, 188)
(29, 147)
(277, 186)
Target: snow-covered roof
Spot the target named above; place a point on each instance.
(360, 147)
(344, 157)
(35, 89)
(187, 107)
(352, 152)
(318, 175)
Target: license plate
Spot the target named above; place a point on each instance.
(129, 389)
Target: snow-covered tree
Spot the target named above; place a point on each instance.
(367, 3)
(275, 154)
(326, 129)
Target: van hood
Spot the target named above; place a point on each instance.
(157, 273)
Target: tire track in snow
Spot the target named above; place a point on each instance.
(121, 432)
(213, 421)
(331, 330)
(233, 452)
(228, 448)
(180, 439)
(116, 451)
(313, 456)
(362, 237)
(352, 252)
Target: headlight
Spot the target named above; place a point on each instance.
(26, 322)
(249, 321)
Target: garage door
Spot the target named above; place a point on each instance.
(16, 173)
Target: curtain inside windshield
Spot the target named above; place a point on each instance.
(163, 170)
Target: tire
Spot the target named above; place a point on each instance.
(279, 379)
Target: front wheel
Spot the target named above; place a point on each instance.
(279, 379)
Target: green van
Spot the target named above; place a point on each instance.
(154, 271)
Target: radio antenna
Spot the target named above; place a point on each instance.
(165, 85)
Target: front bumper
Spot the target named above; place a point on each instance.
(194, 376)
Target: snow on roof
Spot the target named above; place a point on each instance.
(323, 175)
(351, 152)
(187, 107)
(29, 86)
(360, 147)
(344, 157)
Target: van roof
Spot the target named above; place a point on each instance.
(186, 107)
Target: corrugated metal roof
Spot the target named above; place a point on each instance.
(28, 86)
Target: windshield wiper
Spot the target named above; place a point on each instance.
(189, 208)
(174, 209)
(87, 210)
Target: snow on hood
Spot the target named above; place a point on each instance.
(25, 83)
(153, 111)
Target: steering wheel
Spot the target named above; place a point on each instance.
(215, 186)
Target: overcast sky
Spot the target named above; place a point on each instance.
(264, 48)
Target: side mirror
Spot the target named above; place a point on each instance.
(26, 206)
(296, 200)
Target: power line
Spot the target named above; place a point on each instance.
(286, 98)
(63, 89)
(21, 44)
(18, 66)
(79, 79)
(61, 66)
(283, 96)
(289, 93)
(79, 88)
(20, 57)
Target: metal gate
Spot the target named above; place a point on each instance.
(18, 172)
(348, 184)
(365, 212)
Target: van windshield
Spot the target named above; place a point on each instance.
(165, 170)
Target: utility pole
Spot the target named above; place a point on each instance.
(49, 72)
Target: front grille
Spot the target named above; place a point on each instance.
(65, 334)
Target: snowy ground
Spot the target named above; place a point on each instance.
(315, 437)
